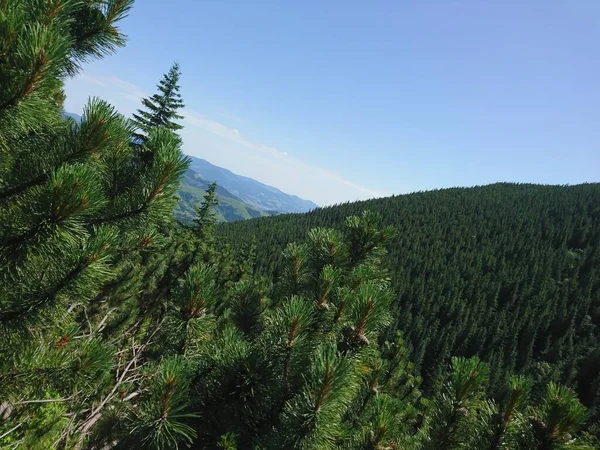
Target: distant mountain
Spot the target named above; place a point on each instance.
(230, 209)
(252, 192)
(75, 117)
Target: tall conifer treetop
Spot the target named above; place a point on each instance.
(161, 108)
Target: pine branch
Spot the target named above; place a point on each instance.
(30, 81)
(3, 435)
(45, 298)
(46, 400)
(123, 377)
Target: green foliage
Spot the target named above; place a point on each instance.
(79, 230)
(230, 208)
(558, 418)
(462, 417)
(506, 272)
(159, 419)
(312, 418)
(121, 329)
(286, 371)
(205, 215)
(366, 313)
(39, 427)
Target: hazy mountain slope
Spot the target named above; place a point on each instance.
(75, 117)
(230, 208)
(259, 195)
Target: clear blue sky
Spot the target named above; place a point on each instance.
(339, 100)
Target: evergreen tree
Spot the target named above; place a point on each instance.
(73, 240)
(297, 374)
(205, 216)
(462, 417)
(161, 108)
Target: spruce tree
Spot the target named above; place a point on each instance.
(204, 221)
(161, 108)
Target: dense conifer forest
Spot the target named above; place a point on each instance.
(122, 329)
(508, 272)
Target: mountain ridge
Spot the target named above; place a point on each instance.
(251, 191)
(230, 208)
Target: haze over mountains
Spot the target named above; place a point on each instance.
(259, 195)
(239, 197)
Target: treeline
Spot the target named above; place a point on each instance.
(120, 329)
(507, 272)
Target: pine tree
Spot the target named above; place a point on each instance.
(462, 417)
(280, 370)
(161, 108)
(72, 238)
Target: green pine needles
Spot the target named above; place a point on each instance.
(122, 329)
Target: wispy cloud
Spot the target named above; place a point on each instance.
(128, 88)
(231, 117)
(309, 173)
(228, 147)
(122, 94)
(192, 118)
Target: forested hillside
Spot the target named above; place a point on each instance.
(508, 272)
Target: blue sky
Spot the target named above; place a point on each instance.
(345, 100)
